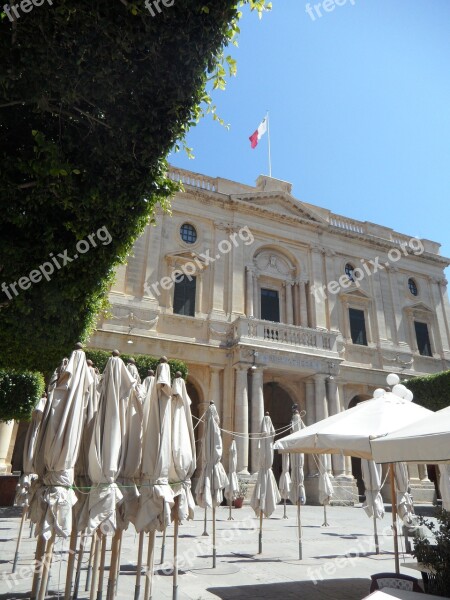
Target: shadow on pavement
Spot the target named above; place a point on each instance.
(331, 589)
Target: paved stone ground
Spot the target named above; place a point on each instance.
(337, 560)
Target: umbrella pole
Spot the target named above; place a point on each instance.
(137, 585)
(260, 531)
(118, 563)
(40, 549)
(71, 562)
(112, 579)
(98, 542)
(46, 568)
(300, 541)
(377, 543)
(284, 514)
(163, 545)
(214, 536)
(175, 552)
(101, 571)
(31, 529)
(394, 517)
(79, 563)
(91, 558)
(325, 522)
(150, 564)
(19, 538)
(205, 523)
(230, 518)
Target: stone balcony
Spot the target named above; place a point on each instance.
(283, 337)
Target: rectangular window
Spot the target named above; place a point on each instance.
(270, 305)
(184, 295)
(357, 326)
(423, 338)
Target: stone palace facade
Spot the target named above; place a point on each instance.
(274, 302)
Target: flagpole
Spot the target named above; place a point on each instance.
(268, 140)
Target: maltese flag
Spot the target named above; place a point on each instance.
(255, 137)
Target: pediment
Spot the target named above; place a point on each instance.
(355, 294)
(419, 307)
(280, 203)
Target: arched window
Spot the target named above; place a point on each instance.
(349, 269)
(412, 287)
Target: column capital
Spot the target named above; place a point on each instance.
(216, 368)
(241, 366)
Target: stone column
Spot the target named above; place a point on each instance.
(296, 304)
(322, 411)
(289, 305)
(220, 275)
(303, 303)
(199, 293)
(249, 292)
(333, 409)
(8, 432)
(214, 388)
(318, 295)
(257, 413)
(241, 418)
(310, 418)
(256, 302)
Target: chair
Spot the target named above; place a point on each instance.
(395, 581)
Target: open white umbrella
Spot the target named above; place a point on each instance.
(232, 488)
(56, 453)
(156, 495)
(106, 456)
(350, 432)
(212, 478)
(183, 463)
(373, 504)
(265, 495)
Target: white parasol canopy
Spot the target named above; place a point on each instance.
(350, 432)
(156, 495)
(424, 441)
(105, 451)
(58, 445)
(212, 478)
(183, 449)
(326, 489)
(371, 474)
(298, 493)
(265, 495)
(232, 487)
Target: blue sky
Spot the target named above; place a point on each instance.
(359, 103)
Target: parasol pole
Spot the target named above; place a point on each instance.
(137, 586)
(16, 555)
(101, 570)
(230, 518)
(76, 586)
(300, 541)
(394, 517)
(71, 562)
(214, 536)
(113, 567)
(285, 515)
(260, 531)
(40, 549)
(91, 558)
(97, 542)
(150, 565)
(325, 521)
(175, 552)
(377, 543)
(205, 532)
(46, 568)
(163, 545)
(31, 529)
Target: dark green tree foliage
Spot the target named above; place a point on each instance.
(436, 553)
(93, 94)
(19, 394)
(143, 362)
(432, 392)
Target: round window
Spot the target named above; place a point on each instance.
(413, 287)
(188, 233)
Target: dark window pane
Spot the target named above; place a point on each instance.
(184, 295)
(188, 233)
(412, 287)
(423, 339)
(358, 326)
(270, 305)
(349, 271)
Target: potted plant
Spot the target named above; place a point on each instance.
(435, 556)
(242, 494)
